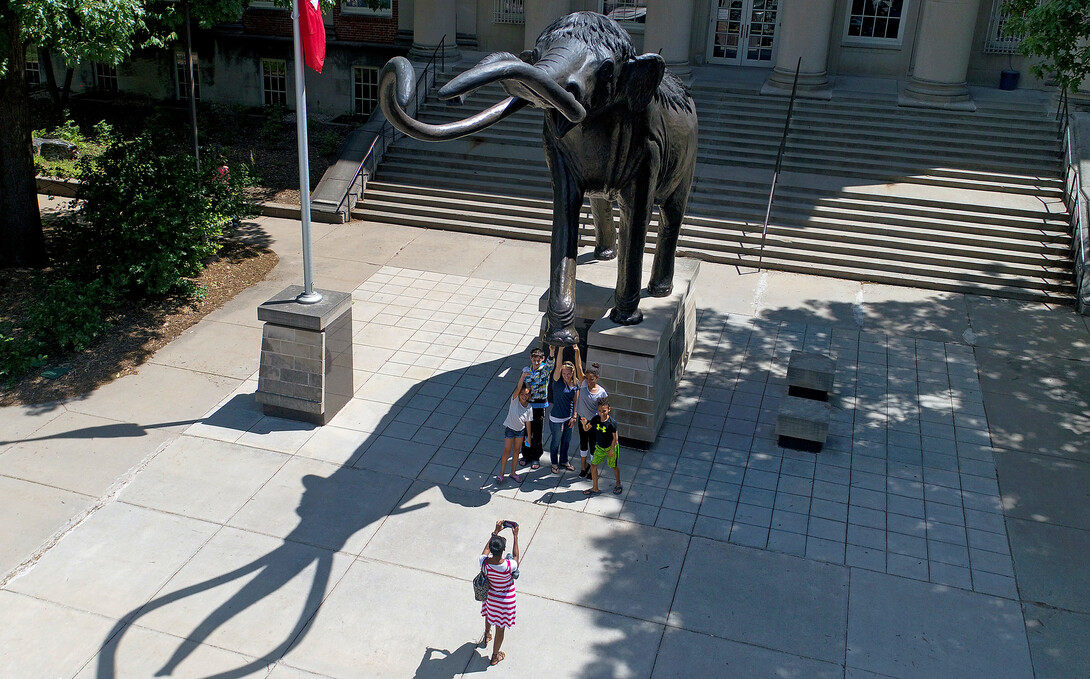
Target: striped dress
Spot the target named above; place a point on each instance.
(499, 608)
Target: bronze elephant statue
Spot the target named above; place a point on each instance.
(618, 128)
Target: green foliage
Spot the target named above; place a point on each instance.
(272, 128)
(68, 316)
(1057, 32)
(89, 148)
(148, 219)
(103, 132)
(327, 142)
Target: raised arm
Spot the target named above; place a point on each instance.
(578, 365)
(557, 365)
(515, 547)
(495, 531)
(518, 387)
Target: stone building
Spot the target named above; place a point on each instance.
(934, 48)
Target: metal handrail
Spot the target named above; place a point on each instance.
(1076, 206)
(387, 128)
(779, 162)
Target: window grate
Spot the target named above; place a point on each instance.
(998, 42)
(626, 11)
(508, 12)
(179, 77)
(274, 77)
(33, 67)
(364, 89)
(105, 77)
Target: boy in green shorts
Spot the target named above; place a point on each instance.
(603, 431)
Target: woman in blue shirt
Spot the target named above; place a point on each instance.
(562, 414)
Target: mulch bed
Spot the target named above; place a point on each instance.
(136, 332)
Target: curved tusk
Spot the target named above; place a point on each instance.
(499, 68)
(396, 83)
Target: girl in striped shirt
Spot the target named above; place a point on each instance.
(499, 607)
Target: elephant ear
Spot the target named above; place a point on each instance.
(640, 78)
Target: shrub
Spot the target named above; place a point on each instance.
(149, 219)
(67, 316)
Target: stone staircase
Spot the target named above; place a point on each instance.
(967, 202)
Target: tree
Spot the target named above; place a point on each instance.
(96, 30)
(1057, 32)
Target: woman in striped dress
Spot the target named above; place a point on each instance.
(499, 607)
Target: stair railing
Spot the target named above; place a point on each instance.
(1077, 207)
(779, 162)
(388, 134)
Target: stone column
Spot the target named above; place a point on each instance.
(803, 32)
(944, 39)
(539, 14)
(669, 32)
(432, 19)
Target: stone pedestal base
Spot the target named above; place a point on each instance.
(306, 356)
(810, 85)
(919, 93)
(641, 364)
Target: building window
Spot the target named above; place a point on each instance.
(364, 89)
(375, 8)
(33, 68)
(508, 12)
(875, 21)
(105, 77)
(274, 81)
(628, 13)
(179, 76)
(998, 41)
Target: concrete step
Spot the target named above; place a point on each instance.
(823, 235)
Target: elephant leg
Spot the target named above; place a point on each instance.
(605, 233)
(635, 215)
(671, 212)
(567, 203)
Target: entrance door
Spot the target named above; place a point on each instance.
(743, 32)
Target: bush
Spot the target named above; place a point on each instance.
(149, 219)
(68, 316)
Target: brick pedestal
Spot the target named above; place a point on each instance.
(641, 364)
(306, 356)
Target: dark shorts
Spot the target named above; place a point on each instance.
(509, 433)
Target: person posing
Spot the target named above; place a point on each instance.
(498, 608)
(515, 427)
(562, 414)
(606, 446)
(586, 406)
(537, 376)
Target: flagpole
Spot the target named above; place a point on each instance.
(308, 296)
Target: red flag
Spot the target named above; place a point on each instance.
(312, 33)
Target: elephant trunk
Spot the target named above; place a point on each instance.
(536, 84)
(396, 85)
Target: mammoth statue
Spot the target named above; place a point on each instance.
(618, 127)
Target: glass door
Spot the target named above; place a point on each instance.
(743, 32)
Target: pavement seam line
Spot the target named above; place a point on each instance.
(75, 522)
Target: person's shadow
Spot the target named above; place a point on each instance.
(328, 517)
(439, 663)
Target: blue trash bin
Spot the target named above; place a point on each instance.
(1008, 79)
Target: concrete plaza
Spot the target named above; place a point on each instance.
(163, 526)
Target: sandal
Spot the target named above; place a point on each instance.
(569, 467)
(617, 489)
(517, 478)
(556, 470)
(498, 658)
(590, 491)
(535, 466)
(523, 463)
(499, 479)
(483, 643)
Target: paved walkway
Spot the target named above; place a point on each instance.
(164, 526)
